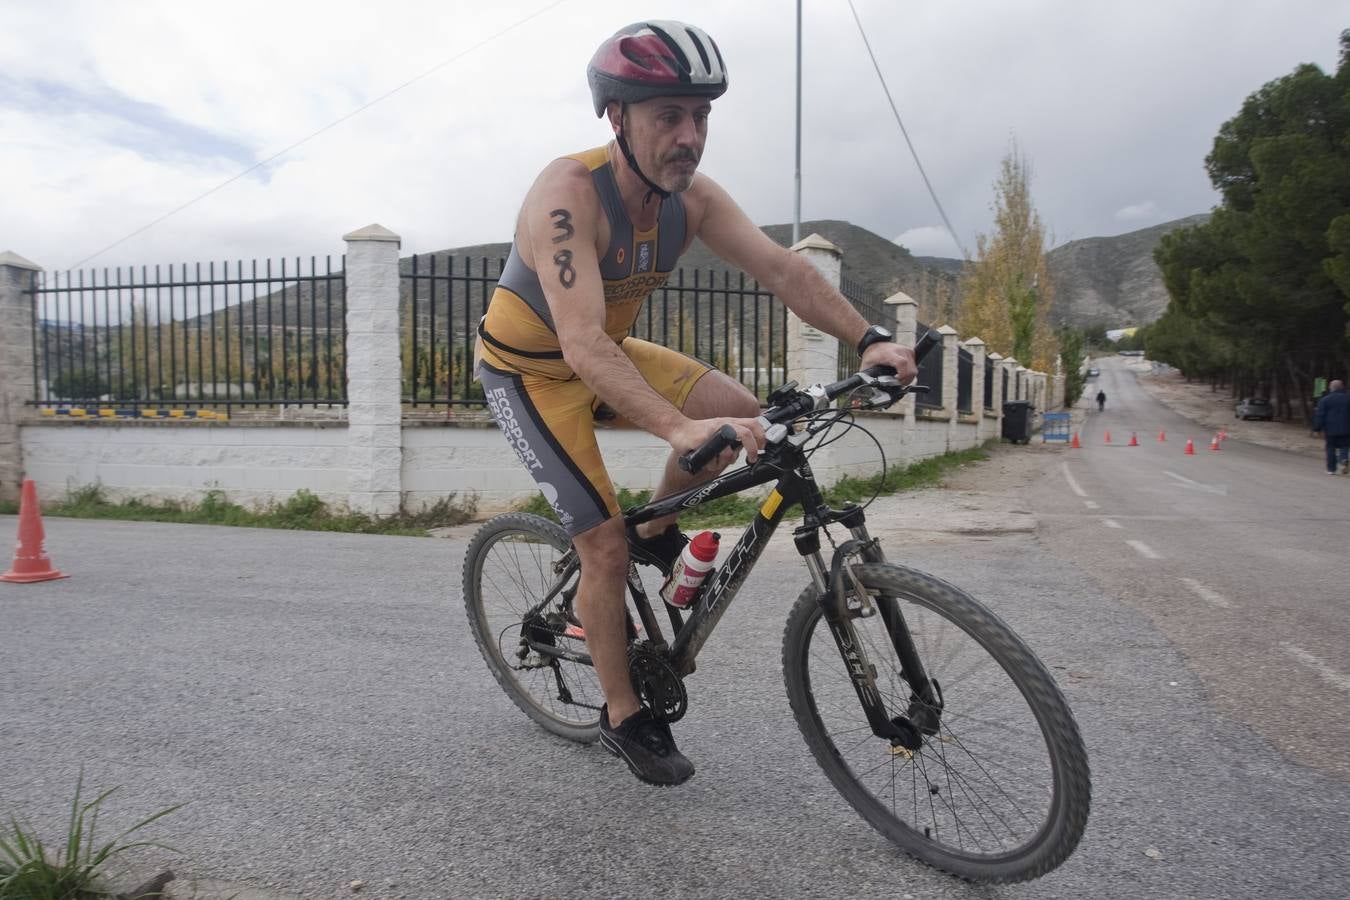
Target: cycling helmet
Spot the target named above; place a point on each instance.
(655, 59)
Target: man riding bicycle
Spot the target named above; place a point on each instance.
(597, 233)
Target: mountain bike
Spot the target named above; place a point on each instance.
(925, 710)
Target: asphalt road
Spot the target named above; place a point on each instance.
(318, 702)
(1239, 556)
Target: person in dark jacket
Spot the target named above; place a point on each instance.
(1332, 419)
(1101, 400)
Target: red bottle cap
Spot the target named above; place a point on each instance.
(704, 545)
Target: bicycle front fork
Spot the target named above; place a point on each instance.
(843, 598)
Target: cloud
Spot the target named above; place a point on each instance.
(1137, 212)
(126, 111)
(929, 240)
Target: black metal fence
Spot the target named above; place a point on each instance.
(930, 374)
(441, 299)
(965, 379)
(274, 332)
(872, 307)
(206, 336)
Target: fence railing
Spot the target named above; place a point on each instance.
(173, 336)
(441, 300)
(988, 383)
(930, 374)
(965, 379)
(872, 307)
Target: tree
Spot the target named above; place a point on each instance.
(1262, 290)
(1006, 289)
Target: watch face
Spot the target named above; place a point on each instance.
(881, 332)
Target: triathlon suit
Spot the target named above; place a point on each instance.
(546, 411)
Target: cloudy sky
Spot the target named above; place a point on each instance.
(115, 113)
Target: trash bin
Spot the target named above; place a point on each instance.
(1017, 421)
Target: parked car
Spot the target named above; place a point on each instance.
(1254, 408)
(1094, 372)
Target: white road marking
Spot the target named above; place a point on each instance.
(1221, 489)
(1317, 664)
(1091, 504)
(1209, 595)
(1110, 523)
(1144, 550)
(1073, 485)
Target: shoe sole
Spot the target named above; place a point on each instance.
(615, 750)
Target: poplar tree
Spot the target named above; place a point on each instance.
(1006, 289)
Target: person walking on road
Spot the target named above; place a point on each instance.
(1101, 400)
(1332, 419)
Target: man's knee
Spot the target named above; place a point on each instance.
(604, 549)
(717, 394)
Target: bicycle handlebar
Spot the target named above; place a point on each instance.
(807, 401)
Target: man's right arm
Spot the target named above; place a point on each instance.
(560, 222)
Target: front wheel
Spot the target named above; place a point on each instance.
(999, 789)
(521, 615)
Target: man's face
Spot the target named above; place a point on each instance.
(667, 135)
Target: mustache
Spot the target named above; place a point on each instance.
(683, 156)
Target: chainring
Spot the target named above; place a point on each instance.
(657, 685)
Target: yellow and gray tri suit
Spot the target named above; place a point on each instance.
(545, 410)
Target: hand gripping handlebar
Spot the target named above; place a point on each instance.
(805, 401)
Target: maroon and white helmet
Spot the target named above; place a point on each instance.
(656, 59)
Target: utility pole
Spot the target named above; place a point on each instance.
(797, 203)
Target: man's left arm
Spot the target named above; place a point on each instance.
(730, 234)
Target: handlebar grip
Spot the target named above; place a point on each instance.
(696, 459)
(925, 344)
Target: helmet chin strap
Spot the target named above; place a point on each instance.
(652, 187)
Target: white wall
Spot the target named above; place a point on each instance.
(252, 463)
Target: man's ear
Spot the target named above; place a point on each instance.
(614, 111)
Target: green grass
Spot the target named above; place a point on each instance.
(738, 509)
(30, 871)
(302, 511)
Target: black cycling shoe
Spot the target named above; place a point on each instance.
(647, 746)
(661, 551)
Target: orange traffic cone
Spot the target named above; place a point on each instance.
(1075, 445)
(1214, 443)
(1190, 447)
(1223, 435)
(1134, 440)
(1162, 436)
(1108, 435)
(30, 558)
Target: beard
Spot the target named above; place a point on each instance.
(681, 166)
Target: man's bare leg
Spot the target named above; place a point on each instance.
(600, 604)
(715, 394)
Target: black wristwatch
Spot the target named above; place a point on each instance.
(875, 334)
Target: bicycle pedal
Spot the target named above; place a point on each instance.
(902, 752)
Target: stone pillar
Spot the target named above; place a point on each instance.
(16, 365)
(905, 310)
(374, 373)
(996, 373)
(977, 354)
(1023, 388)
(813, 355)
(949, 377)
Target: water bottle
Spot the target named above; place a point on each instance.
(696, 561)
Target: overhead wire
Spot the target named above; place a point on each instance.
(360, 109)
(914, 153)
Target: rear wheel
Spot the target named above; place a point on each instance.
(999, 790)
(535, 650)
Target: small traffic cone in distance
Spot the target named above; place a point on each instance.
(1108, 435)
(1075, 445)
(1162, 436)
(1214, 443)
(30, 557)
(1190, 447)
(1134, 440)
